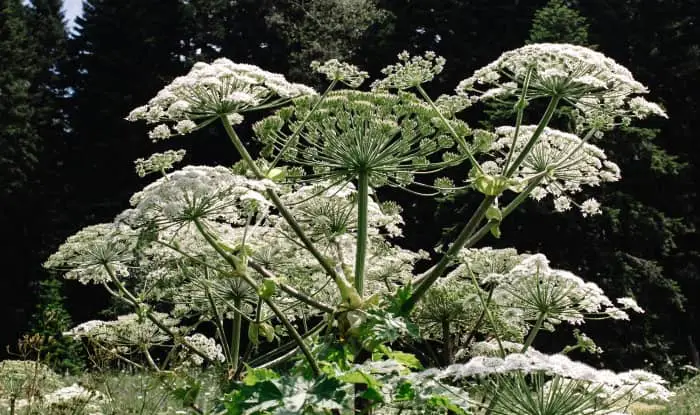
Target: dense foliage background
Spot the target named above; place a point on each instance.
(67, 153)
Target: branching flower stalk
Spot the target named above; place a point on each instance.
(346, 290)
(546, 118)
(298, 130)
(129, 298)
(292, 330)
(470, 228)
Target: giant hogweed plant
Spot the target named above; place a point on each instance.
(284, 272)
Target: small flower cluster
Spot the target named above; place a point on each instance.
(567, 163)
(73, 399)
(334, 70)
(204, 344)
(129, 330)
(158, 162)
(95, 254)
(197, 192)
(410, 71)
(222, 88)
(600, 89)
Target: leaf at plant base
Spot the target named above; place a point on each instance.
(254, 376)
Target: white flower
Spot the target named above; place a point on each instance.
(601, 90)
(235, 118)
(562, 204)
(334, 70)
(158, 162)
(160, 132)
(410, 71)
(631, 304)
(129, 330)
(206, 345)
(95, 254)
(185, 126)
(212, 90)
(590, 207)
(196, 192)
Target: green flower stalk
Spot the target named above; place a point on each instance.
(372, 138)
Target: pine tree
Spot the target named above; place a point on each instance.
(323, 29)
(23, 150)
(49, 321)
(18, 137)
(559, 23)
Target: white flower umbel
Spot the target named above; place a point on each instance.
(567, 162)
(219, 89)
(334, 70)
(602, 91)
(91, 254)
(129, 330)
(613, 390)
(158, 162)
(198, 192)
(73, 399)
(410, 71)
(388, 138)
(206, 345)
(554, 295)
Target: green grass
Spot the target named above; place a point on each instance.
(685, 402)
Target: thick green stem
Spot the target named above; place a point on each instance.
(533, 333)
(476, 237)
(361, 252)
(546, 118)
(290, 328)
(459, 243)
(236, 335)
(522, 103)
(286, 214)
(290, 290)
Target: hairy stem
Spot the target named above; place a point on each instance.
(361, 252)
